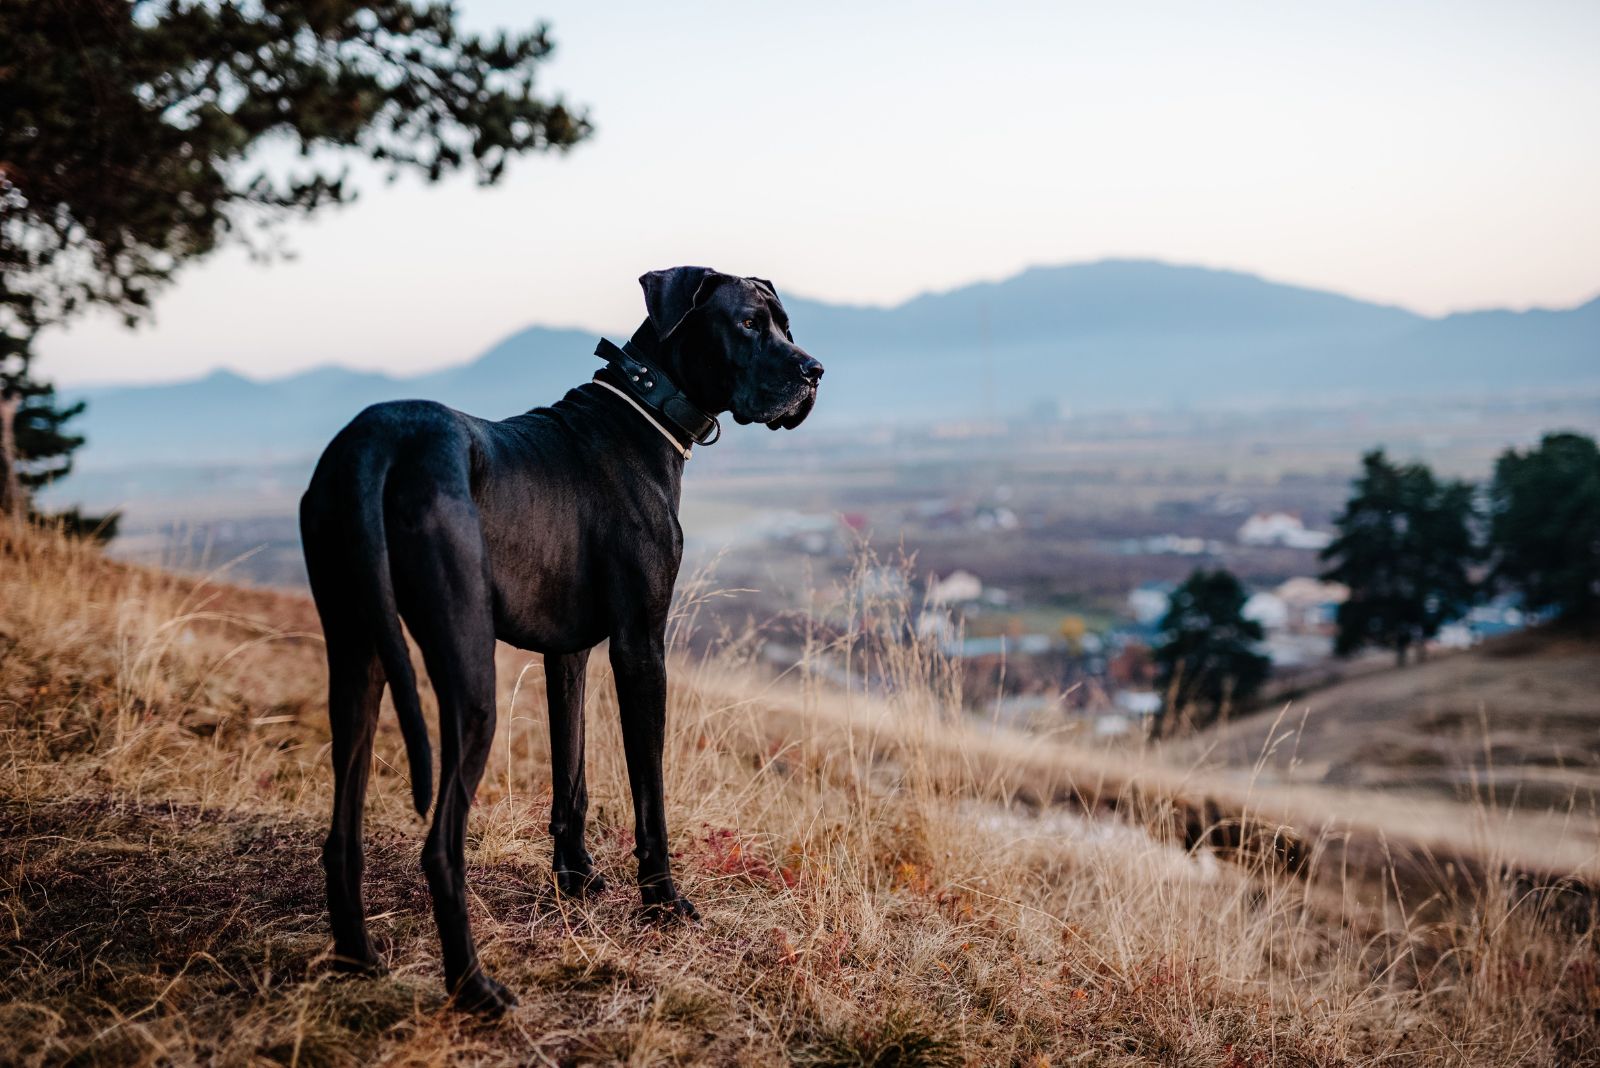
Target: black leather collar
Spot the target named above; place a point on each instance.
(655, 392)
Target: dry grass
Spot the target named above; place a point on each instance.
(882, 883)
(1515, 718)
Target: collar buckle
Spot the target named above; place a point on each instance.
(657, 393)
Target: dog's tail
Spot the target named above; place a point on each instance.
(392, 649)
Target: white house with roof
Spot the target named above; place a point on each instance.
(957, 587)
(1148, 601)
(1268, 610)
(1311, 603)
(1281, 529)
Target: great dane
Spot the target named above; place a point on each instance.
(553, 530)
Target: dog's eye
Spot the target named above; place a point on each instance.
(749, 324)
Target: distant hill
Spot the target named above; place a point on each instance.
(227, 418)
(1137, 334)
(1106, 335)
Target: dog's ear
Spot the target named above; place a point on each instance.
(783, 316)
(670, 295)
(796, 417)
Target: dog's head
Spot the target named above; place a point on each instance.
(732, 345)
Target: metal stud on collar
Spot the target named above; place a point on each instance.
(641, 379)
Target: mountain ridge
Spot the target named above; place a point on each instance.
(1119, 333)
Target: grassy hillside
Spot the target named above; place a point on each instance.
(1516, 721)
(882, 884)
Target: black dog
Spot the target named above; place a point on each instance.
(553, 531)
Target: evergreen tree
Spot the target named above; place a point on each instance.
(33, 430)
(44, 445)
(35, 444)
(1544, 524)
(1405, 550)
(130, 129)
(1206, 658)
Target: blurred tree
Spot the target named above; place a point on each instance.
(1206, 658)
(137, 135)
(1405, 550)
(1544, 525)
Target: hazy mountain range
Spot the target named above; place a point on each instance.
(1097, 336)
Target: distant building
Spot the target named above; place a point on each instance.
(996, 518)
(955, 588)
(1167, 544)
(1500, 615)
(1303, 590)
(1131, 667)
(1281, 529)
(1139, 702)
(1301, 607)
(1268, 610)
(1148, 601)
(1311, 604)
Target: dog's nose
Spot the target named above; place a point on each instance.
(810, 369)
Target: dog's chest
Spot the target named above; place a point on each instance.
(571, 559)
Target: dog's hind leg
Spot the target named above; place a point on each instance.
(355, 686)
(565, 675)
(442, 579)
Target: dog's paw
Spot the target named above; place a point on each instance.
(481, 996)
(572, 882)
(670, 910)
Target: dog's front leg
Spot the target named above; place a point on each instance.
(639, 663)
(571, 864)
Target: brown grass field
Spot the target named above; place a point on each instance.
(883, 881)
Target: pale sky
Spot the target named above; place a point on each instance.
(1441, 156)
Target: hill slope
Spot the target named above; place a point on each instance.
(1518, 717)
(1114, 334)
(881, 884)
